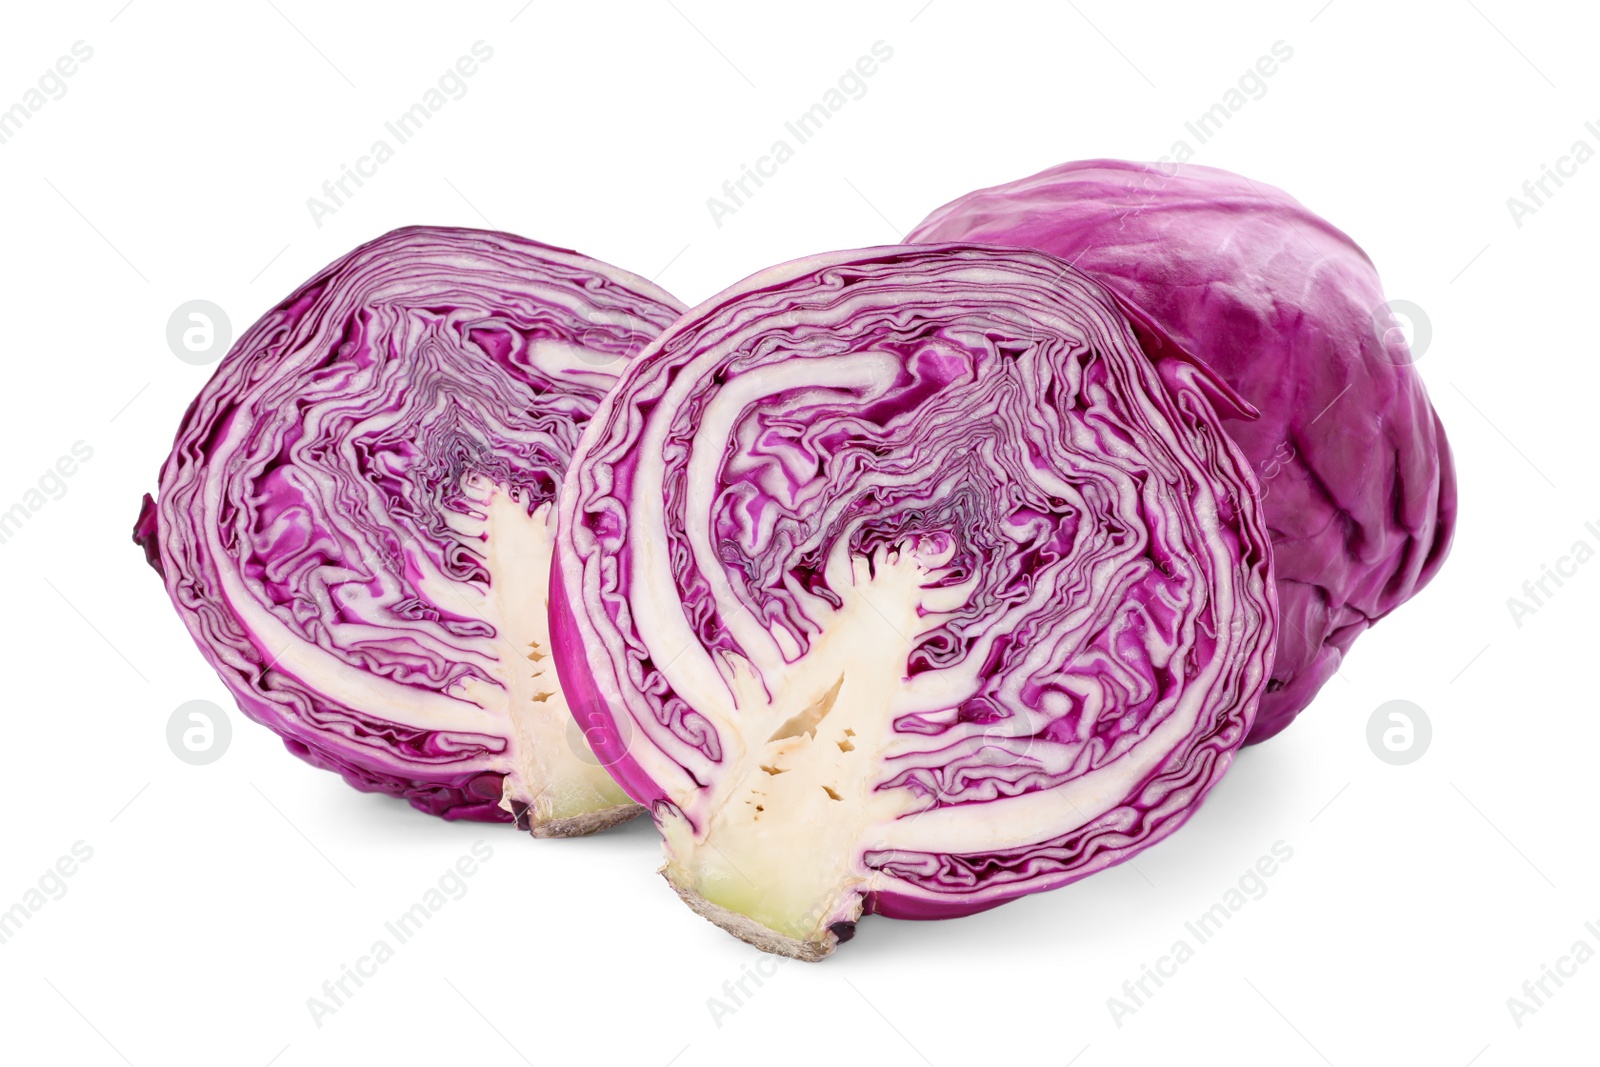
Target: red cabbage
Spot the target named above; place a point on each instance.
(902, 581)
(354, 521)
(1356, 473)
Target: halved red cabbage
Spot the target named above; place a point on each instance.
(1356, 473)
(355, 521)
(902, 581)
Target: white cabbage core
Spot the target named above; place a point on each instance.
(815, 756)
(551, 768)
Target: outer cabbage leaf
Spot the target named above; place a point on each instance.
(901, 581)
(1355, 469)
(355, 521)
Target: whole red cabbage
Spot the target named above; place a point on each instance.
(1355, 469)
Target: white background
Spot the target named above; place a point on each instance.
(219, 898)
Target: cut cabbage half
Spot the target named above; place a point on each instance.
(905, 581)
(357, 518)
